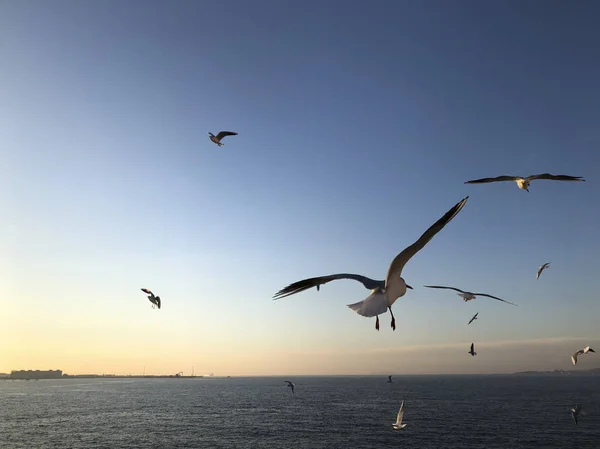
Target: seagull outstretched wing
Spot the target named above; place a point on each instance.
(305, 284)
(225, 134)
(401, 259)
(555, 177)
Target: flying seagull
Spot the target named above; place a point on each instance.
(472, 351)
(398, 424)
(542, 268)
(383, 293)
(217, 139)
(578, 353)
(575, 414)
(291, 385)
(155, 300)
(468, 296)
(523, 183)
(390, 381)
(473, 319)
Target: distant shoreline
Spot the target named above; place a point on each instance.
(111, 376)
(560, 372)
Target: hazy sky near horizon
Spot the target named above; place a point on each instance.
(358, 124)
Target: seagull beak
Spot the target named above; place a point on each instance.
(408, 286)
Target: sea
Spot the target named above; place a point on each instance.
(486, 411)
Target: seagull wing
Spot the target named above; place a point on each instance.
(447, 288)
(400, 414)
(225, 134)
(555, 177)
(494, 297)
(472, 347)
(496, 179)
(305, 284)
(474, 316)
(574, 356)
(158, 301)
(401, 259)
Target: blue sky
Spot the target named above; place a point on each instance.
(358, 124)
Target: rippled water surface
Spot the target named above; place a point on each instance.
(326, 412)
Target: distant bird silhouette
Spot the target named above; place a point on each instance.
(523, 183)
(291, 385)
(390, 381)
(473, 319)
(217, 139)
(472, 351)
(383, 293)
(575, 412)
(155, 300)
(468, 296)
(540, 269)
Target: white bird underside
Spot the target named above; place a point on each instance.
(375, 304)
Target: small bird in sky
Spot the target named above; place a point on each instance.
(155, 300)
(217, 139)
(468, 296)
(473, 319)
(390, 381)
(542, 268)
(523, 182)
(472, 351)
(578, 353)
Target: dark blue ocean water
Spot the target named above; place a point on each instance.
(326, 412)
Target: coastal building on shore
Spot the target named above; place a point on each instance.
(36, 374)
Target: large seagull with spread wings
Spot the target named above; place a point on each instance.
(383, 293)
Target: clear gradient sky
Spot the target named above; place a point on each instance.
(358, 124)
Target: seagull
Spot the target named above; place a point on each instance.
(575, 414)
(472, 351)
(155, 300)
(291, 385)
(542, 268)
(383, 293)
(523, 183)
(217, 139)
(473, 319)
(468, 296)
(398, 424)
(578, 353)
(390, 381)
